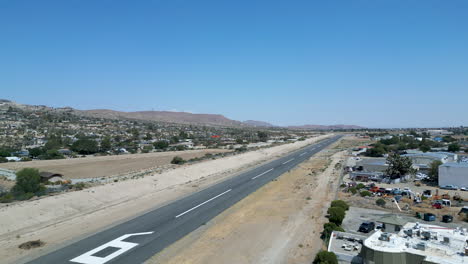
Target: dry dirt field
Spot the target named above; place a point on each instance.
(61, 219)
(279, 223)
(105, 166)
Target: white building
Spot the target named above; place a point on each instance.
(417, 244)
(453, 173)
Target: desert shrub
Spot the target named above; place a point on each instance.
(325, 257)
(340, 203)
(28, 180)
(342, 185)
(178, 160)
(365, 193)
(353, 190)
(24, 196)
(6, 198)
(380, 202)
(3, 160)
(79, 186)
(336, 215)
(360, 186)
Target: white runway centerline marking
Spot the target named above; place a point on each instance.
(207, 201)
(288, 161)
(303, 154)
(262, 174)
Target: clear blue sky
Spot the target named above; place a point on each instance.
(376, 63)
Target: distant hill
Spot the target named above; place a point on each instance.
(166, 116)
(169, 117)
(321, 127)
(257, 123)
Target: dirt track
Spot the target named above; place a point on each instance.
(97, 167)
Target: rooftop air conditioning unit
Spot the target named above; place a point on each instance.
(446, 240)
(426, 235)
(384, 237)
(421, 246)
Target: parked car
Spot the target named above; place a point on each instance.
(374, 189)
(427, 193)
(437, 205)
(366, 227)
(398, 198)
(449, 187)
(429, 217)
(396, 191)
(464, 188)
(447, 218)
(381, 190)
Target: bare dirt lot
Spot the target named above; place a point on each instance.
(105, 166)
(279, 223)
(59, 220)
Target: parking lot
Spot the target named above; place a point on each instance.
(355, 216)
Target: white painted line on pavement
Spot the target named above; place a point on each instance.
(288, 161)
(207, 201)
(262, 174)
(303, 154)
(88, 258)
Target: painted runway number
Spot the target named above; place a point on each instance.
(88, 258)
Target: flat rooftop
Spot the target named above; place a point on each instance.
(438, 244)
(346, 245)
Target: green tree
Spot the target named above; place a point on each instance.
(424, 147)
(106, 144)
(183, 135)
(36, 152)
(147, 149)
(53, 142)
(175, 139)
(340, 203)
(85, 146)
(325, 257)
(399, 166)
(28, 180)
(162, 144)
(328, 228)
(378, 150)
(51, 154)
(148, 136)
(263, 136)
(5, 152)
(454, 147)
(434, 171)
(448, 139)
(3, 159)
(336, 215)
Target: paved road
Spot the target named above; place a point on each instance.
(140, 238)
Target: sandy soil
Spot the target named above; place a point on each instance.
(62, 219)
(279, 223)
(97, 167)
